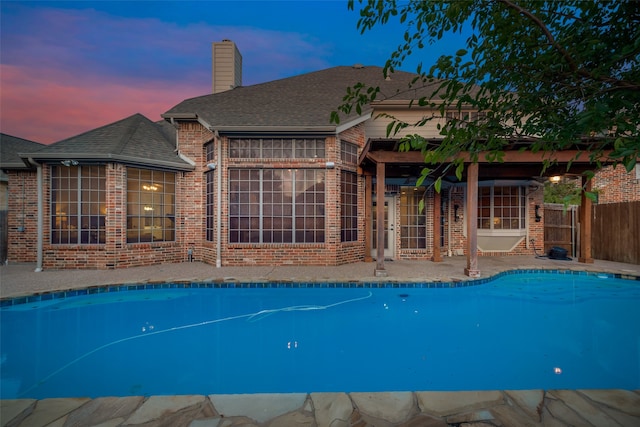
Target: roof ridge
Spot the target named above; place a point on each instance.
(276, 81)
(99, 128)
(6, 135)
(136, 120)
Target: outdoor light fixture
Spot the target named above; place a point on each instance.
(69, 163)
(330, 165)
(455, 213)
(538, 216)
(555, 179)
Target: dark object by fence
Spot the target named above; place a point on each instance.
(557, 252)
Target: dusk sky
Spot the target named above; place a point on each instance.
(69, 67)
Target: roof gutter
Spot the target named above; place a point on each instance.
(265, 130)
(276, 132)
(109, 158)
(179, 116)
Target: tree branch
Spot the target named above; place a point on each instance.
(563, 52)
(545, 30)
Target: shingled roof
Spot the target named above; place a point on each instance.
(135, 140)
(10, 146)
(299, 103)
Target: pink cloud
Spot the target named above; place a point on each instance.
(50, 109)
(65, 72)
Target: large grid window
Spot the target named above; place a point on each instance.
(349, 153)
(210, 182)
(276, 206)
(501, 208)
(413, 229)
(151, 204)
(463, 117)
(276, 148)
(78, 204)
(349, 206)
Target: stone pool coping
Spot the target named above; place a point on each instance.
(233, 283)
(393, 409)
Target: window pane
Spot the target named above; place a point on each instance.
(276, 148)
(349, 153)
(150, 206)
(264, 203)
(413, 232)
(78, 204)
(501, 208)
(348, 206)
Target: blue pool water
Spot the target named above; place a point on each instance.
(524, 331)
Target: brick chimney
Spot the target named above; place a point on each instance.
(227, 66)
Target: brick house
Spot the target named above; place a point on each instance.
(259, 175)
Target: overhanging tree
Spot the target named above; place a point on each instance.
(553, 75)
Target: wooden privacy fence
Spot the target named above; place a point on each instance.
(616, 232)
(560, 227)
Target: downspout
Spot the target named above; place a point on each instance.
(219, 203)
(39, 244)
(175, 126)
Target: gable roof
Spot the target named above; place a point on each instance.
(10, 146)
(299, 103)
(135, 140)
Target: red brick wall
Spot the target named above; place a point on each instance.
(22, 216)
(192, 137)
(615, 185)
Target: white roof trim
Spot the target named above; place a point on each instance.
(348, 125)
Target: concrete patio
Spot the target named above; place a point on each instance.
(465, 408)
(20, 279)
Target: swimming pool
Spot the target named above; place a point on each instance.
(519, 331)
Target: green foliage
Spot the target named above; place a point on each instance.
(556, 74)
(566, 192)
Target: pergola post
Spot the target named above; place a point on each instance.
(368, 191)
(437, 200)
(585, 223)
(472, 221)
(380, 231)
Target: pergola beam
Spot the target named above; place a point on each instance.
(416, 157)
